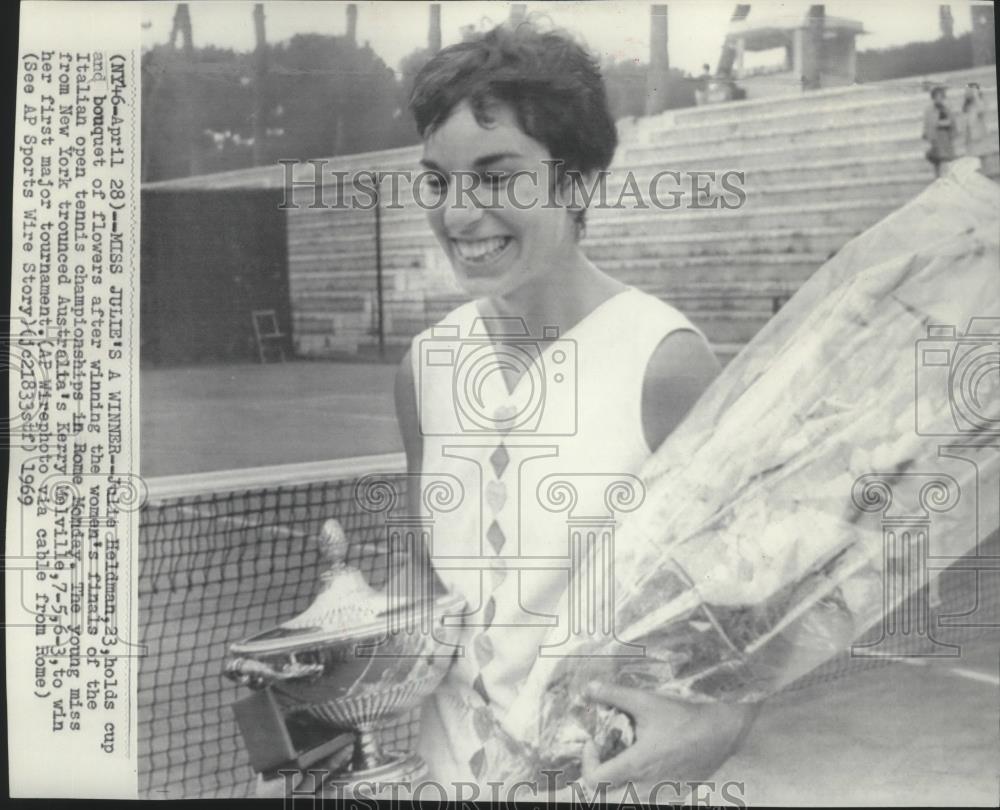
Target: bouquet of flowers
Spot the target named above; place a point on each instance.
(758, 553)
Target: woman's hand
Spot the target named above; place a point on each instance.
(675, 740)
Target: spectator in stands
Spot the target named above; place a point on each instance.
(940, 130)
(703, 86)
(974, 139)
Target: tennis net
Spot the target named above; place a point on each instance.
(224, 555)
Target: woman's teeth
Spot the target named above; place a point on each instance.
(480, 250)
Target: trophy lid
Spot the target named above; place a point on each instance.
(346, 608)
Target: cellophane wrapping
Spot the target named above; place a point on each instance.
(759, 553)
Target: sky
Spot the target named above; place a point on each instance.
(618, 30)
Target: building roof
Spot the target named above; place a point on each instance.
(759, 33)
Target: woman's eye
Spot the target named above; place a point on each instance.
(435, 183)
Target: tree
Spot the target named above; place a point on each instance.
(626, 85)
(337, 98)
(215, 83)
(321, 96)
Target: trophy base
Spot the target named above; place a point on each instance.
(394, 779)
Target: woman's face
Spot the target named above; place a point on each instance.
(519, 231)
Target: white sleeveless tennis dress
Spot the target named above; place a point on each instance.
(570, 428)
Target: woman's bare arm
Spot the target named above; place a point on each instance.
(679, 371)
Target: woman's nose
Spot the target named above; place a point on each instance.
(462, 210)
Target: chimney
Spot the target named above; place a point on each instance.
(182, 28)
(812, 58)
(658, 76)
(518, 11)
(352, 23)
(434, 31)
(259, 80)
(984, 50)
(946, 22)
(188, 112)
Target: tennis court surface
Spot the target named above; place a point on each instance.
(917, 732)
(225, 417)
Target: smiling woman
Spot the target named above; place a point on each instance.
(555, 378)
(496, 249)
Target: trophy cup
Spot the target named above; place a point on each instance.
(351, 662)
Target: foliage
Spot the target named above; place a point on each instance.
(915, 59)
(626, 83)
(323, 96)
(336, 98)
(177, 102)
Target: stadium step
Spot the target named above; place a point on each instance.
(357, 271)
(815, 189)
(664, 243)
(725, 352)
(858, 129)
(684, 272)
(344, 270)
(776, 170)
(609, 231)
(850, 109)
(821, 145)
(856, 213)
(729, 327)
(757, 304)
(803, 102)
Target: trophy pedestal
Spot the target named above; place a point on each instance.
(395, 779)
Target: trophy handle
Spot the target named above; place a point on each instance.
(258, 675)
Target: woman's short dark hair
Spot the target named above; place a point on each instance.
(552, 84)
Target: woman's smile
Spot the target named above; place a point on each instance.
(480, 256)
